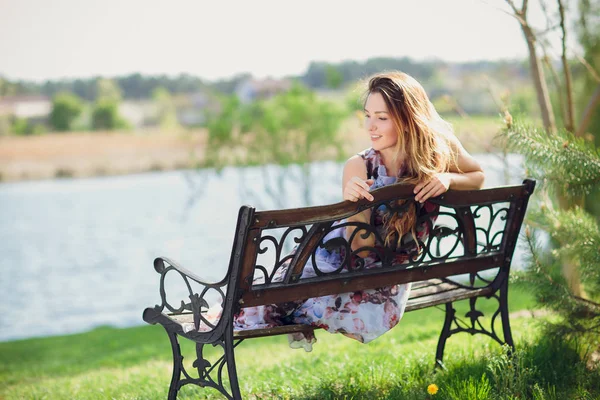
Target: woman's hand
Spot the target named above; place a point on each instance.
(440, 183)
(357, 189)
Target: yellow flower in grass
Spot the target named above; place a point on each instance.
(432, 389)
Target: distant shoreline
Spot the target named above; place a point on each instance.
(89, 154)
(92, 154)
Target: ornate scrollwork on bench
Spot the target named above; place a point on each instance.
(197, 304)
(279, 244)
(490, 235)
(445, 241)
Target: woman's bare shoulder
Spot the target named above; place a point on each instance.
(355, 161)
(355, 166)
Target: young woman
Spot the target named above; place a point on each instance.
(411, 144)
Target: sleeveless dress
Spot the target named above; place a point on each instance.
(362, 315)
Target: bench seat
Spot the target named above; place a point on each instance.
(423, 294)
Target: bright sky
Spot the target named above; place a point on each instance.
(41, 39)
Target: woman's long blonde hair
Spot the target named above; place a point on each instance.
(423, 140)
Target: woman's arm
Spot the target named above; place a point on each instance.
(466, 175)
(469, 174)
(355, 186)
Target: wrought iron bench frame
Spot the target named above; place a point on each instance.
(429, 271)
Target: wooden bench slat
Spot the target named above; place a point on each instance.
(340, 283)
(445, 297)
(277, 330)
(429, 282)
(332, 212)
(432, 289)
(182, 318)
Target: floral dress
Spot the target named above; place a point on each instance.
(362, 315)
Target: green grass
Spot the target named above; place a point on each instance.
(135, 363)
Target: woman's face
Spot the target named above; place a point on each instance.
(379, 123)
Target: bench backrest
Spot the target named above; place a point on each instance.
(474, 231)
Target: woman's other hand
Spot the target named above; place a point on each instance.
(466, 175)
(357, 188)
(440, 183)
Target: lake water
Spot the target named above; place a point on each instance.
(77, 253)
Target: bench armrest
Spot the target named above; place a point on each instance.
(159, 266)
(197, 289)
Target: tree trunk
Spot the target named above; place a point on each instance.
(539, 81)
(586, 118)
(570, 114)
(570, 267)
(570, 270)
(556, 79)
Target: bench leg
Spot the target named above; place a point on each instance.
(205, 368)
(177, 359)
(231, 369)
(503, 298)
(475, 326)
(210, 373)
(444, 335)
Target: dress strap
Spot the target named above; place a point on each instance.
(371, 159)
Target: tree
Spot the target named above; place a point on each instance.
(167, 113)
(564, 92)
(334, 77)
(20, 126)
(6, 88)
(589, 37)
(588, 96)
(318, 74)
(108, 91)
(537, 72)
(564, 272)
(66, 107)
(105, 114)
(293, 128)
(565, 162)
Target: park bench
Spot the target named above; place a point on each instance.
(467, 255)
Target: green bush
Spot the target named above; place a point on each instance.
(66, 107)
(105, 116)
